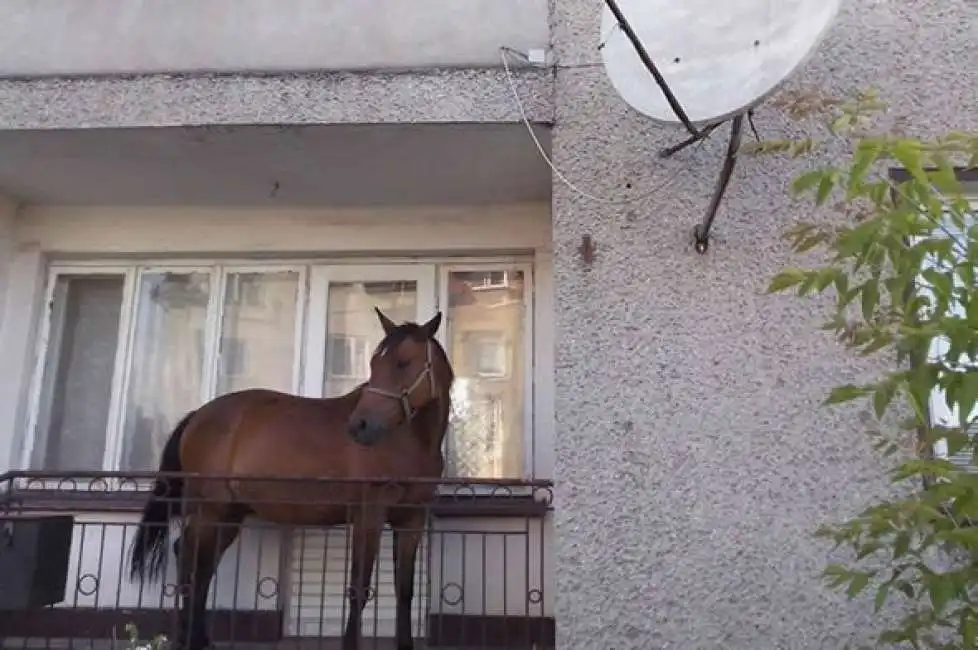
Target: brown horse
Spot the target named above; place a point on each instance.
(391, 427)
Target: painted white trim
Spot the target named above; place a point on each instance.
(212, 334)
(284, 232)
(161, 261)
(120, 372)
(544, 426)
(314, 344)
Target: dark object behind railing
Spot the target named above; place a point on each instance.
(34, 555)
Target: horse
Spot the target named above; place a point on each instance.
(391, 426)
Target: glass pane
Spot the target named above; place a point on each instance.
(353, 330)
(486, 317)
(79, 366)
(257, 348)
(166, 362)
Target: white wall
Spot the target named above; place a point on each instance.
(466, 557)
(246, 579)
(9, 379)
(47, 232)
(98, 37)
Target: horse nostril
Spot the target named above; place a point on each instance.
(357, 425)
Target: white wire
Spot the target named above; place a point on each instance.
(504, 52)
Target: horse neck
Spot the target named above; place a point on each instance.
(431, 422)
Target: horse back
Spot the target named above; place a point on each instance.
(266, 433)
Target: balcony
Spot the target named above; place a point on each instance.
(115, 37)
(482, 575)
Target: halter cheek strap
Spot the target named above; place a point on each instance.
(404, 397)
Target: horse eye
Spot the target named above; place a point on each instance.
(402, 364)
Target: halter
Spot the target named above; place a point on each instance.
(404, 397)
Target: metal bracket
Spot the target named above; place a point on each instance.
(701, 231)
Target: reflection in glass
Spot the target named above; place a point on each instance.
(353, 330)
(167, 362)
(257, 346)
(485, 319)
(76, 388)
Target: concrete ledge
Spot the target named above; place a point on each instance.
(169, 100)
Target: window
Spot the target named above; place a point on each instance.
(488, 344)
(349, 356)
(491, 357)
(128, 352)
(128, 349)
(941, 414)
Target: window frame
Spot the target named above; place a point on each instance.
(133, 272)
(530, 393)
(340, 269)
(38, 383)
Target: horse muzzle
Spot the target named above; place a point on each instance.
(364, 432)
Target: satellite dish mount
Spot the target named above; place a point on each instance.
(739, 54)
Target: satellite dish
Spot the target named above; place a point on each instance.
(706, 62)
(719, 57)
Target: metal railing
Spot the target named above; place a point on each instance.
(481, 579)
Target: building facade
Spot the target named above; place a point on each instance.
(267, 172)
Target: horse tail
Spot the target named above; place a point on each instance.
(149, 547)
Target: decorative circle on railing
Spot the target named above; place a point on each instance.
(466, 491)
(98, 484)
(128, 484)
(534, 596)
(267, 587)
(456, 591)
(87, 584)
(502, 491)
(169, 589)
(34, 484)
(67, 481)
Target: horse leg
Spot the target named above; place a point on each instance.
(407, 539)
(204, 540)
(366, 544)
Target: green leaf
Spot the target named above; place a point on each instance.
(786, 279)
(846, 393)
(901, 545)
(941, 590)
(825, 187)
(881, 593)
(967, 393)
(870, 298)
(883, 396)
(806, 181)
(859, 581)
(867, 151)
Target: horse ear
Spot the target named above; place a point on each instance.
(385, 322)
(431, 326)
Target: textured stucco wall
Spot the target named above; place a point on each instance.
(327, 98)
(691, 464)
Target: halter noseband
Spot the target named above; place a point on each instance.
(404, 397)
